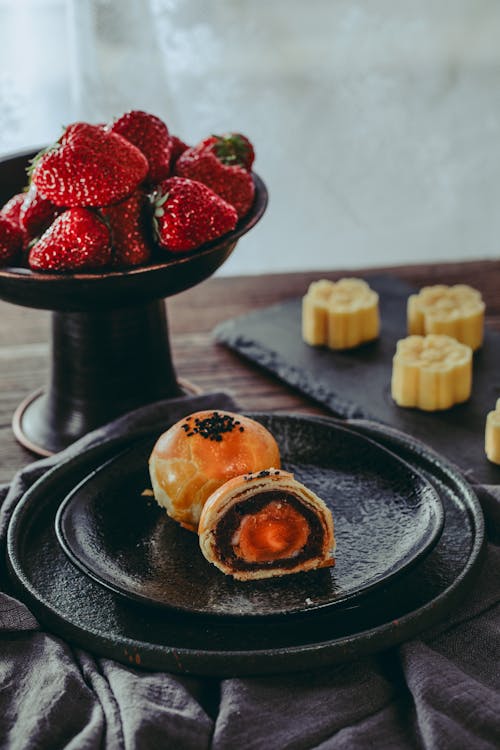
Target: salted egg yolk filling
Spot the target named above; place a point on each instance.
(275, 532)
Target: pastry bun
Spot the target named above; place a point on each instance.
(201, 452)
(266, 524)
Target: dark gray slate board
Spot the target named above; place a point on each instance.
(356, 383)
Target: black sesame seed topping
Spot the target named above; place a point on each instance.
(213, 427)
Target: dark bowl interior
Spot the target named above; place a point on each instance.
(109, 289)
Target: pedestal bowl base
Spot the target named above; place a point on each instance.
(30, 427)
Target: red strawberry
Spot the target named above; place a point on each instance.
(11, 239)
(37, 213)
(150, 135)
(126, 222)
(188, 214)
(77, 241)
(231, 149)
(89, 166)
(178, 148)
(224, 175)
(12, 208)
(80, 131)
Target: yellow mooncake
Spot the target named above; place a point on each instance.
(341, 314)
(456, 311)
(431, 372)
(492, 435)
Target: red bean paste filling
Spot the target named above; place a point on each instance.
(227, 526)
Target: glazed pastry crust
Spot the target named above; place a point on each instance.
(189, 461)
(241, 489)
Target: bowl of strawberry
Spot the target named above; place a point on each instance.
(114, 219)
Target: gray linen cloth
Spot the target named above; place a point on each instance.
(440, 691)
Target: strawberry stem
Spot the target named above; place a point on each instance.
(157, 201)
(231, 149)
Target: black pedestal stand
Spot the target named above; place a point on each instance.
(103, 364)
(110, 345)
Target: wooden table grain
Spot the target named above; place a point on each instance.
(192, 315)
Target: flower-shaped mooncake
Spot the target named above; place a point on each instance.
(340, 315)
(456, 311)
(431, 372)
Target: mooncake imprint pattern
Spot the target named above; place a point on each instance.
(456, 311)
(340, 315)
(431, 372)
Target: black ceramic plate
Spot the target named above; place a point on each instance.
(386, 517)
(74, 607)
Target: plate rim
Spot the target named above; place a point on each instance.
(434, 530)
(158, 657)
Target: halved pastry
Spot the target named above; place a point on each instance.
(266, 524)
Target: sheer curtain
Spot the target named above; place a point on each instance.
(34, 78)
(376, 125)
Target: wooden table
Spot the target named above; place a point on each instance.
(24, 339)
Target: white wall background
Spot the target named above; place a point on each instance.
(376, 123)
